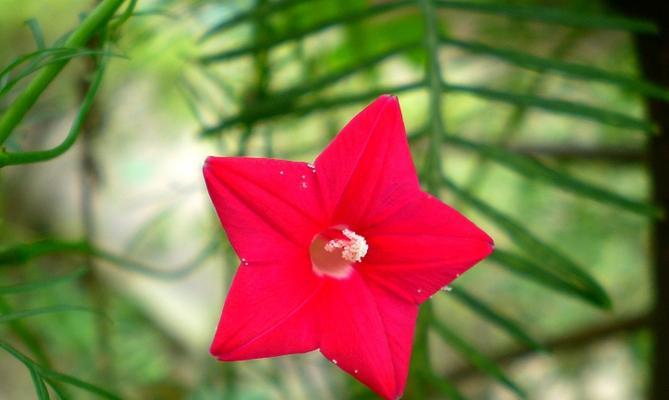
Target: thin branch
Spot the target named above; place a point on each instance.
(88, 28)
(574, 340)
(608, 155)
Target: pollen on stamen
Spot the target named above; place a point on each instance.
(353, 249)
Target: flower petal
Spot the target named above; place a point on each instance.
(399, 318)
(422, 248)
(269, 208)
(268, 312)
(368, 337)
(366, 173)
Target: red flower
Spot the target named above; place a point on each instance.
(337, 255)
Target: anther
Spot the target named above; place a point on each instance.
(353, 249)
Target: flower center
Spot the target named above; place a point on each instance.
(334, 250)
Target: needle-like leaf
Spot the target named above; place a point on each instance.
(570, 69)
(571, 108)
(551, 15)
(550, 257)
(534, 169)
(478, 359)
(495, 316)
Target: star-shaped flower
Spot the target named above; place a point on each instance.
(337, 255)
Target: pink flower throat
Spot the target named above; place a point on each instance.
(334, 250)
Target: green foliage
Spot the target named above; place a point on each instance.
(414, 35)
(537, 260)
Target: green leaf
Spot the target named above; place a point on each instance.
(298, 34)
(261, 10)
(286, 101)
(50, 375)
(25, 287)
(445, 387)
(313, 106)
(558, 106)
(40, 388)
(549, 257)
(55, 57)
(16, 315)
(541, 274)
(96, 20)
(22, 253)
(154, 272)
(574, 70)
(496, 317)
(478, 359)
(38, 35)
(551, 15)
(533, 169)
(71, 380)
(8, 158)
(16, 62)
(57, 390)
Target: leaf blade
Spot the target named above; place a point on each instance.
(539, 250)
(552, 16)
(558, 106)
(574, 70)
(478, 359)
(533, 169)
(496, 317)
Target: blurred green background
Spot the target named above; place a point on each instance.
(527, 116)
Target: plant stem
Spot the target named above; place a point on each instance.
(434, 81)
(44, 155)
(26, 99)
(431, 171)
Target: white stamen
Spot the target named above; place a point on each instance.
(354, 249)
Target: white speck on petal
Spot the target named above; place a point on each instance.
(304, 185)
(355, 371)
(447, 288)
(419, 290)
(282, 172)
(334, 361)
